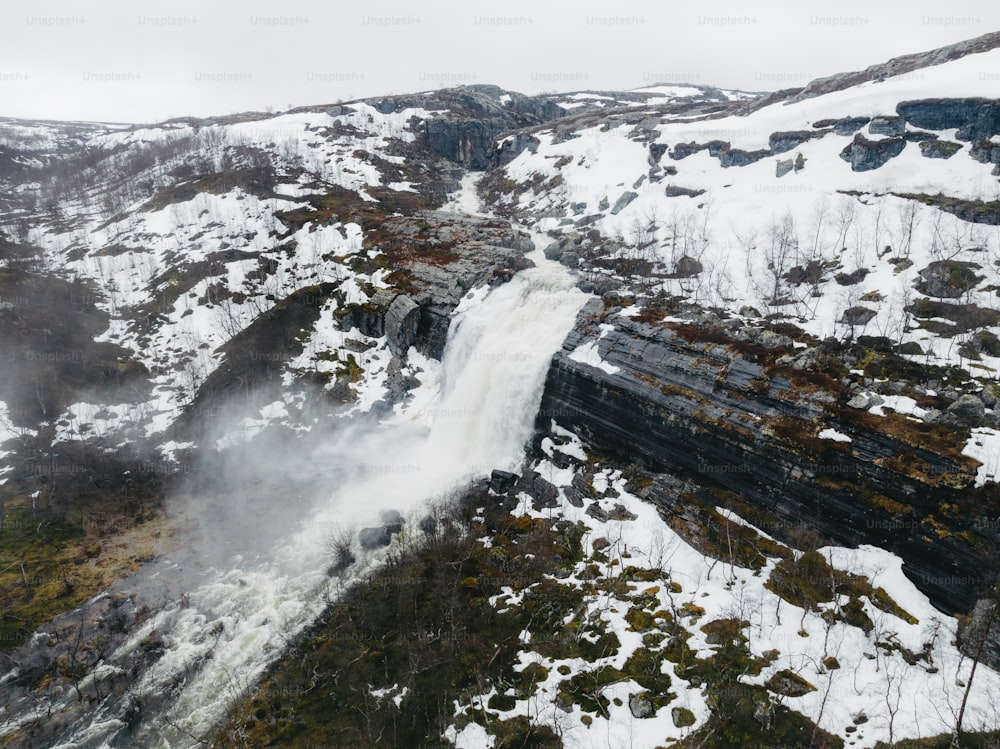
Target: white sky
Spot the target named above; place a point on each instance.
(143, 61)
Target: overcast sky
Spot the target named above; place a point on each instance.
(143, 61)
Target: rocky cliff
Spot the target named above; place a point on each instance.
(759, 423)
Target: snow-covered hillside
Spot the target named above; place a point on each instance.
(790, 354)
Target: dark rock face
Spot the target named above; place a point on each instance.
(512, 147)
(461, 252)
(974, 117)
(402, 322)
(699, 411)
(477, 115)
(865, 155)
(468, 142)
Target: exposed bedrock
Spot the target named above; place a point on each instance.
(745, 430)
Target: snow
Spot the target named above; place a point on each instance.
(900, 404)
(731, 227)
(911, 701)
(9, 432)
(588, 354)
(984, 446)
(833, 434)
(473, 736)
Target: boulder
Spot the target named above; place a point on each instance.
(887, 126)
(554, 251)
(789, 684)
(948, 279)
(783, 167)
(570, 259)
(967, 410)
(687, 267)
(640, 706)
(623, 202)
(502, 482)
(938, 149)
(392, 520)
(682, 717)
(864, 154)
(857, 315)
(374, 538)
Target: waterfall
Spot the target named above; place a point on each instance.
(236, 621)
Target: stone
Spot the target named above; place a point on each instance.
(781, 142)
(544, 493)
(845, 125)
(738, 157)
(676, 191)
(623, 202)
(789, 684)
(682, 717)
(783, 167)
(392, 520)
(570, 259)
(553, 251)
(967, 410)
(771, 340)
(640, 706)
(948, 279)
(374, 538)
(402, 321)
(985, 151)
(865, 155)
(887, 126)
(573, 496)
(502, 482)
(857, 315)
(938, 149)
(988, 396)
(974, 118)
(687, 267)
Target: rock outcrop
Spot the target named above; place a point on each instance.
(865, 155)
(724, 414)
(973, 118)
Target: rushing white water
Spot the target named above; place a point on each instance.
(238, 620)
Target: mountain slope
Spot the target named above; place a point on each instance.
(764, 461)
